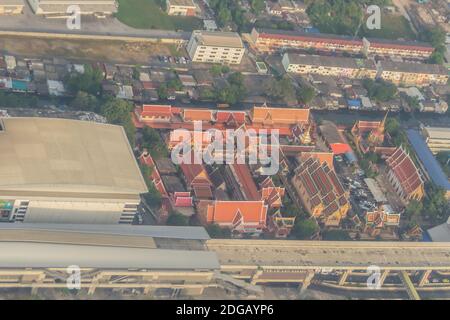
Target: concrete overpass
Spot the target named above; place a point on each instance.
(302, 262)
(184, 261)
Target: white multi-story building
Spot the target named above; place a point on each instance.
(216, 47)
(181, 8)
(67, 171)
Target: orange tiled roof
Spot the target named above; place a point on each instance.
(225, 212)
(197, 115)
(237, 117)
(280, 116)
(195, 174)
(156, 110)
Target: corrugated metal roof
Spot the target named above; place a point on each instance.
(430, 163)
(174, 232)
(44, 255)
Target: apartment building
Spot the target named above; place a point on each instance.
(329, 66)
(216, 47)
(9, 7)
(268, 40)
(437, 138)
(67, 171)
(181, 8)
(413, 74)
(58, 8)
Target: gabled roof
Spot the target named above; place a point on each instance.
(252, 212)
(197, 115)
(230, 117)
(286, 116)
(326, 157)
(244, 178)
(321, 184)
(405, 170)
(156, 110)
(195, 174)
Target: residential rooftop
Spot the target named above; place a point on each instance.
(219, 39)
(408, 67)
(337, 62)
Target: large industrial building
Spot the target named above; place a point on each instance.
(216, 47)
(67, 171)
(437, 138)
(60, 8)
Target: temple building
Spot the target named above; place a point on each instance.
(404, 176)
(369, 134)
(321, 192)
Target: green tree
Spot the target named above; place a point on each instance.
(163, 92)
(216, 232)
(281, 89)
(90, 81)
(257, 5)
(304, 229)
(177, 219)
(85, 101)
(305, 94)
(118, 111)
(413, 210)
(152, 141)
(336, 235)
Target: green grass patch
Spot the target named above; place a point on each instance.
(392, 27)
(147, 14)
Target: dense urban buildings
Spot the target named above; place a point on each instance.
(329, 66)
(216, 47)
(413, 74)
(268, 40)
(67, 171)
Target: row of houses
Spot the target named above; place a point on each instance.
(399, 73)
(270, 40)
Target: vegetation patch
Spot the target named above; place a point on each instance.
(150, 14)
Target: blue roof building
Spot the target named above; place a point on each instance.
(428, 162)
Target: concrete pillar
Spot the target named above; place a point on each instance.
(343, 277)
(192, 291)
(91, 289)
(148, 290)
(256, 276)
(383, 276)
(307, 281)
(34, 290)
(424, 278)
